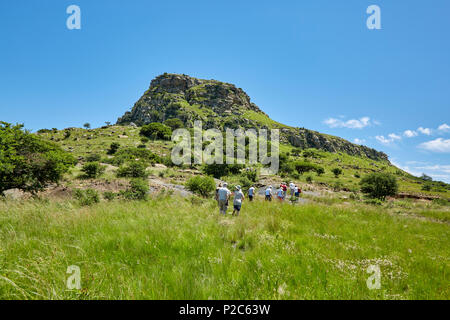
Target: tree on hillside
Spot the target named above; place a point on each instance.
(87, 125)
(27, 162)
(337, 172)
(174, 123)
(379, 185)
(156, 130)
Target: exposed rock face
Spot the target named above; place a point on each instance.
(220, 105)
(189, 99)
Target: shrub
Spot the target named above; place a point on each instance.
(296, 176)
(305, 166)
(87, 125)
(309, 179)
(252, 175)
(44, 131)
(287, 167)
(113, 148)
(375, 202)
(424, 177)
(92, 170)
(357, 175)
(379, 185)
(108, 195)
(427, 187)
(137, 190)
(131, 154)
(320, 171)
(135, 169)
(441, 202)
(203, 186)
(27, 162)
(87, 197)
(220, 170)
(296, 152)
(174, 123)
(337, 186)
(156, 130)
(94, 157)
(337, 172)
(245, 182)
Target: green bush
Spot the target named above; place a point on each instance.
(337, 186)
(320, 171)
(156, 130)
(375, 202)
(135, 169)
(131, 154)
(92, 170)
(87, 197)
(309, 179)
(29, 163)
(221, 170)
(246, 183)
(113, 148)
(94, 157)
(174, 123)
(203, 186)
(379, 185)
(137, 190)
(252, 175)
(427, 187)
(305, 166)
(337, 172)
(108, 195)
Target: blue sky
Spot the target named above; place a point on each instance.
(310, 64)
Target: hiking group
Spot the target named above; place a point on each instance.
(223, 195)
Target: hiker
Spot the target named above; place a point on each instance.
(297, 191)
(268, 193)
(217, 193)
(223, 196)
(251, 192)
(284, 188)
(238, 199)
(292, 188)
(280, 194)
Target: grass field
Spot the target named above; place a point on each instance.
(174, 248)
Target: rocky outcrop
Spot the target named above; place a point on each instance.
(220, 105)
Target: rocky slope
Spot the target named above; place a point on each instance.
(220, 105)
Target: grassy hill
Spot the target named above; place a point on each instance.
(82, 143)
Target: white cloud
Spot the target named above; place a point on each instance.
(438, 145)
(444, 128)
(359, 141)
(393, 136)
(410, 134)
(351, 124)
(437, 172)
(437, 167)
(389, 140)
(425, 131)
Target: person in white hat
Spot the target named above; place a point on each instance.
(268, 193)
(223, 195)
(238, 199)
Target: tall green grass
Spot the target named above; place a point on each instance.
(174, 248)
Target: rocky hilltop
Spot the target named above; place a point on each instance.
(221, 105)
